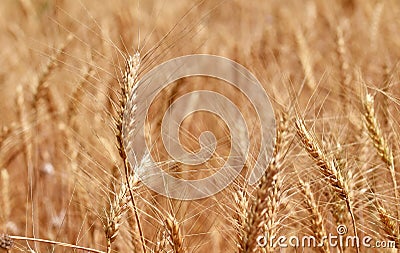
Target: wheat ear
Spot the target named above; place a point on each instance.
(388, 77)
(305, 59)
(161, 244)
(117, 208)
(78, 95)
(128, 91)
(345, 77)
(42, 90)
(328, 167)
(242, 219)
(375, 133)
(175, 236)
(375, 22)
(389, 226)
(259, 214)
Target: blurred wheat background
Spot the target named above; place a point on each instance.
(330, 69)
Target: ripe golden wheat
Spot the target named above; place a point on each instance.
(71, 68)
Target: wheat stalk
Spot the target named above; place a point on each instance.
(375, 133)
(381, 146)
(263, 205)
(388, 77)
(305, 59)
(128, 91)
(345, 77)
(135, 235)
(77, 95)
(339, 209)
(42, 89)
(259, 214)
(328, 168)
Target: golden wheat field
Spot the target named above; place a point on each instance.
(70, 80)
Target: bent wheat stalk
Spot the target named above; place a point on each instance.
(328, 168)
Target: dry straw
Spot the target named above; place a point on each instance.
(9, 242)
